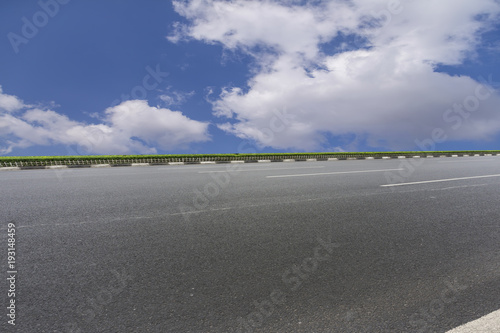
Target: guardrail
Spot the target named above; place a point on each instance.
(34, 161)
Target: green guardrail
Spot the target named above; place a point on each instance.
(9, 161)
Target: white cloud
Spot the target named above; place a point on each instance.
(387, 92)
(9, 103)
(131, 127)
(170, 98)
(247, 23)
(159, 127)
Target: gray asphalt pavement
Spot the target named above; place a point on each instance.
(338, 246)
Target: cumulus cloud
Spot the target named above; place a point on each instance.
(382, 87)
(9, 103)
(156, 126)
(131, 127)
(246, 24)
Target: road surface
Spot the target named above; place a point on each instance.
(337, 246)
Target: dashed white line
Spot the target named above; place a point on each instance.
(267, 169)
(455, 187)
(439, 180)
(330, 173)
(467, 160)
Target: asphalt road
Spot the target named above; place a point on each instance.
(270, 247)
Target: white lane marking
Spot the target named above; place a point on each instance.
(455, 187)
(187, 167)
(486, 324)
(331, 173)
(201, 211)
(268, 169)
(468, 160)
(439, 180)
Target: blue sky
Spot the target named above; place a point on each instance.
(138, 77)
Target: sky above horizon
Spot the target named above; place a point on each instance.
(201, 76)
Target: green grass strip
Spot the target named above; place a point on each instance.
(120, 159)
